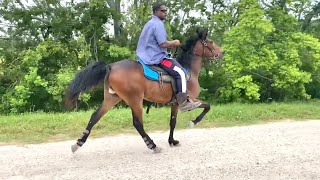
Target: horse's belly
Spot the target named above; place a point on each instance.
(154, 92)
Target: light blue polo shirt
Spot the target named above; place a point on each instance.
(152, 35)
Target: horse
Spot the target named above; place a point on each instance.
(125, 80)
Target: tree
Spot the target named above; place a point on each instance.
(248, 59)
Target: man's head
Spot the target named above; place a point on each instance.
(160, 10)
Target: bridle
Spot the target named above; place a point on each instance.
(205, 46)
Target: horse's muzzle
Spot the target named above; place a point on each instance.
(217, 56)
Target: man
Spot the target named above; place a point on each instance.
(152, 49)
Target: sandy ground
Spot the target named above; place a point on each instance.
(285, 150)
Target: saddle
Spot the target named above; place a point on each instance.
(155, 73)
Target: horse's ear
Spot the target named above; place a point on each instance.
(202, 33)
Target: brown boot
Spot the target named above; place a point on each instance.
(185, 104)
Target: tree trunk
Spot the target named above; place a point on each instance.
(115, 5)
(308, 19)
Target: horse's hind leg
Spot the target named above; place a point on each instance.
(109, 101)
(137, 108)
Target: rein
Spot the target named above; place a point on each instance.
(175, 52)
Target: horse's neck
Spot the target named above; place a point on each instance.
(193, 84)
(195, 74)
(196, 66)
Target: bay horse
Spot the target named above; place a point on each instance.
(125, 80)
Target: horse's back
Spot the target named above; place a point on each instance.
(126, 71)
(125, 64)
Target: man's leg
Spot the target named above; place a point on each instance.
(177, 72)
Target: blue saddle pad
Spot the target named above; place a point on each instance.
(153, 74)
(148, 72)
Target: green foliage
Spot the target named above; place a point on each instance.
(290, 78)
(271, 52)
(309, 50)
(245, 83)
(247, 52)
(119, 53)
(48, 69)
(57, 87)
(19, 98)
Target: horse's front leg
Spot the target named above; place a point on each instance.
(173, 120)
(206, 108)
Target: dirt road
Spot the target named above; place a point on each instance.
(285, 150)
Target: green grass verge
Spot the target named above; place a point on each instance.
(44, 127)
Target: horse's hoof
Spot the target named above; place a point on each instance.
(156, 150)
(191, 124)
(174, 143)
(75, 147)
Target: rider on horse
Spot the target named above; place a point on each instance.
(152, 50)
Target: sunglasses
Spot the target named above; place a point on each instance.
(163, 10)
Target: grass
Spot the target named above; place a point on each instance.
(45, 127)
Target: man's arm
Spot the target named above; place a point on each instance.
(170, 44)
(161, 37)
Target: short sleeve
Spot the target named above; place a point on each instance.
(160, 33)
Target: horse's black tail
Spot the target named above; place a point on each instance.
(84, 80)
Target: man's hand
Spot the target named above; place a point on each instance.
(170, 44)
(176, 43)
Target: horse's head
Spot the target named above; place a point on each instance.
(205, 47)
(199, 46)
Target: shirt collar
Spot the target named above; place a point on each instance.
(155, 17)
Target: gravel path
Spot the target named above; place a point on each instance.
(285, 150)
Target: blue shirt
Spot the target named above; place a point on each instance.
(152, 35)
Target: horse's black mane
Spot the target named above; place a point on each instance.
(185, 54)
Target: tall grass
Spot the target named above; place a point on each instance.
(44, 127)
